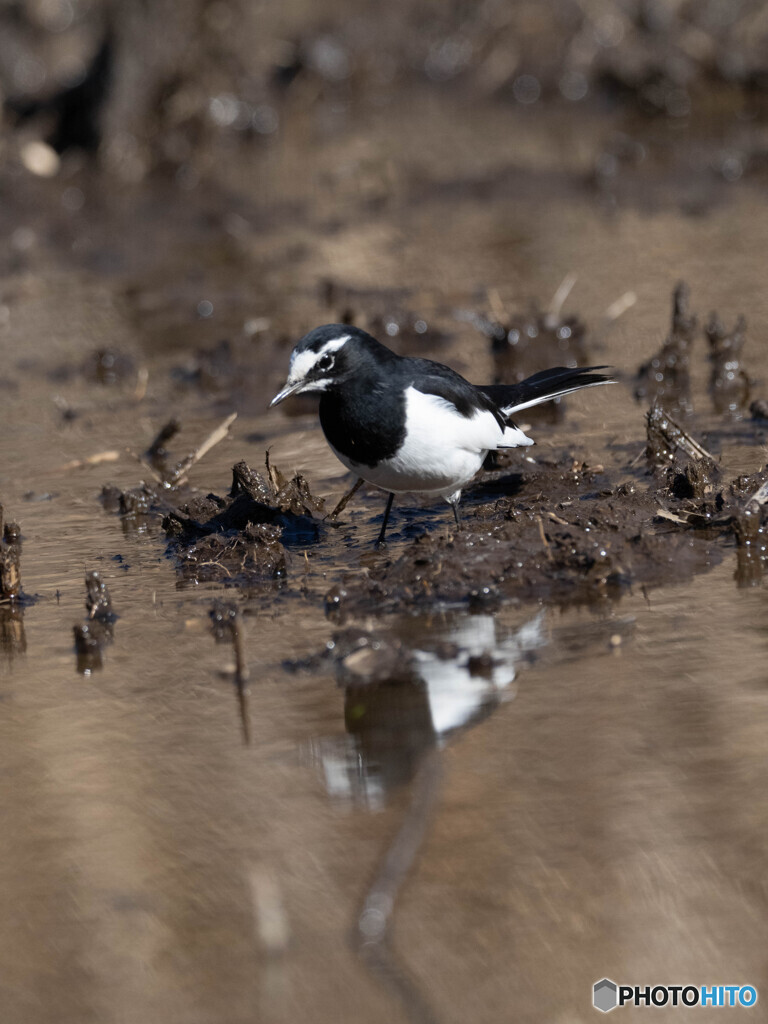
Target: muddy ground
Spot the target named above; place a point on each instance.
(256, 768)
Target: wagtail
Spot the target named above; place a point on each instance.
(408, 424)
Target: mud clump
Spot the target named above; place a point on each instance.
(140, 508)
(97, 631)
(729, 384)
(12, 598)
(665, 378)
(254, 552)
(738, 509)
(143, 506)
(243, 536)
(746, 499)
(685, 470)
(98, 602)
(10, 561)
(667, 441)
(236, 538)
(693, 481)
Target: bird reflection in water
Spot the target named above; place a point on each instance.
(401, 702)
(404, 699)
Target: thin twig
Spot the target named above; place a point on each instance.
(497, 306)
(91, 460)
(620, 306)
(557, 519)
(142, 379)
(544, 540)
(179, 476)
(345, 500)
(562, 293)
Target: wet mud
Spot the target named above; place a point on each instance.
(237, 538)
(244, 536)
(570, 535)
(554, 529)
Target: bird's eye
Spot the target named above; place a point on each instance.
(325, 363)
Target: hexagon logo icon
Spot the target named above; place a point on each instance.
(605, 995)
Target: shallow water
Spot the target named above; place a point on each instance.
(593, 802)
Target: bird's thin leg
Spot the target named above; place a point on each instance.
(387, 510)
(343, 503)
(455, 507)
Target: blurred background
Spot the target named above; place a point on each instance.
(286, 144)
(188, 186)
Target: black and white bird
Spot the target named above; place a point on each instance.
(408, 424)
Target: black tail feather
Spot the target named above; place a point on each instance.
(544, 386)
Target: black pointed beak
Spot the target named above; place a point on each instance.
(289, 389)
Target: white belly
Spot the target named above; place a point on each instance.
(443, 450)
(443, 478)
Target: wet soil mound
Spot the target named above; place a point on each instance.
(235, 538)
(572, 534)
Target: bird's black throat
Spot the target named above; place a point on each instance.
(364, 421)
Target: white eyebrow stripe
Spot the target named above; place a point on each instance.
(302, 362)
(333, 345)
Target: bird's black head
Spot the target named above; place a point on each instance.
(327, 356)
